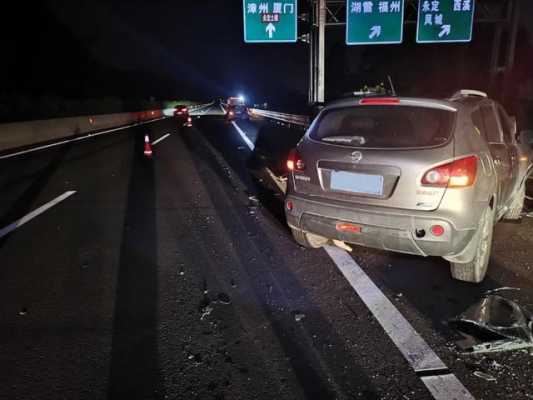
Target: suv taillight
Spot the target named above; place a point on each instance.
(295, 161)
(457, 174)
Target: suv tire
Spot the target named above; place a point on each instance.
(475, 270)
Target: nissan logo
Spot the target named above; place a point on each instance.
(356, 156)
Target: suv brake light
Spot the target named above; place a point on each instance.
(457, 174)
(295, 161)
(379, 101)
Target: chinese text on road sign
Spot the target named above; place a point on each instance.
(445, 21)
(270, 21)
(374, 21)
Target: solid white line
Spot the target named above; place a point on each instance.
(445, 387)
(88, 136)
(10, 228)
(248, 142)
(161, 139)
(282, 185)
(413, 347)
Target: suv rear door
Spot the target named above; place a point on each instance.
(502, 152)
(510, 141)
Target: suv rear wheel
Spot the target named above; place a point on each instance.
(308, 240)
(475, 270)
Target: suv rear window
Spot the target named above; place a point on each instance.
(384, 126)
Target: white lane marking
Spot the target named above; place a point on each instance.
(160, 139)
(445, 387)
(88, 136)
(10, 228)
(248, 142)
(413, 347)
(280, 183)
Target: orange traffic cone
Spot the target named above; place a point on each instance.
(147, 147)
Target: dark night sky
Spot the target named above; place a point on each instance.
(178, 48)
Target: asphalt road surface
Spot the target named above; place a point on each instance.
(176, 277)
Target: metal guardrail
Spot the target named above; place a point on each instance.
(300, 120)
(169, 112)
(200, 106)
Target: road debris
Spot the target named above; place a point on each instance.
(501, 289)
(23, 311)
(485, 376)
(223, 298)
(206, 311)
(298, 316)
(254, 201)
(342, 245)
(496, 365)
(494, 324)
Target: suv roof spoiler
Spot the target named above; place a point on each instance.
(468, 93)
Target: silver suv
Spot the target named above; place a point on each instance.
(411, 175)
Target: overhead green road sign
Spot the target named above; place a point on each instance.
(270, 21)
(374, 21)
(445, 21)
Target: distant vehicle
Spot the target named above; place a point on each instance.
(181, 113)
(236, 109)
(411, 175)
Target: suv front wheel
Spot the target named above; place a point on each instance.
(475, 270)
(515, 210)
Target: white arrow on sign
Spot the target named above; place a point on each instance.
(446, 29)
(375, 31)
(270, 28)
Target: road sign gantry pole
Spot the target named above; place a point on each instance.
(321, 50)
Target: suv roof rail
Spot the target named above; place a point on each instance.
(468, 93)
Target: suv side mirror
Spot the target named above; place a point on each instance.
(315, 109)
(526, 137)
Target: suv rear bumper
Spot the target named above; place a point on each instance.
(393, 230)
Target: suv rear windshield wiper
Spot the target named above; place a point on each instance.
(345, 139)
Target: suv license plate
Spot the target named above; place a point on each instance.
(357, 183)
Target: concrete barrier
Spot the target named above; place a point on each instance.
(22, 134)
